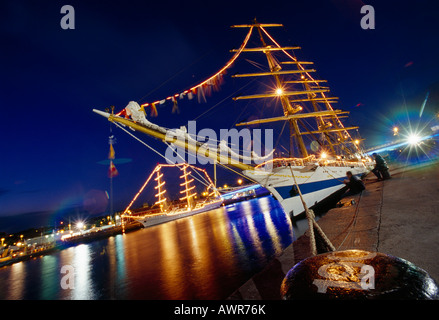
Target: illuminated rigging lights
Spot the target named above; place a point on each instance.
(161, 190)
(303, 77)
(279, 91)
(211, 80)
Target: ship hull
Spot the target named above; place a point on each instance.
(152, 220)
(315, 183)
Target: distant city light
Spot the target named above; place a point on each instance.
(80, 225)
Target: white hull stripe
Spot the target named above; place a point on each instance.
(289, 191)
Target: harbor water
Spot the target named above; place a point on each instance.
(205, 256)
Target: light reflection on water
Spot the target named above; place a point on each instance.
(205, 256)
(17, 279)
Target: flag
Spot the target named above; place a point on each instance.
(112, 171)
(154, 112)
(123, 113)
(175, 106)
(215, 83)
(200, 95)
(111, 154)
(208, 89)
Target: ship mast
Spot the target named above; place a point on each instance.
(187, 187)
(286, 105)
(329, 127)
(161, 199)
(295, 88)
(275, 71)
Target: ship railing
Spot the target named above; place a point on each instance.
(284, 162)
(311, 160)
(342, 163)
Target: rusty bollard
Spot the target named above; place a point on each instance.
(357, 274)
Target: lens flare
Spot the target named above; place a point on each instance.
(413, 139)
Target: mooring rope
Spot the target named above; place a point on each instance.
(381, 212)
(206, 183)
(312, 223)
(353, 223)
(141, 141)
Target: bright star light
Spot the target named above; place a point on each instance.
(413, 139)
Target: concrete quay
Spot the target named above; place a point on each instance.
(399, 217)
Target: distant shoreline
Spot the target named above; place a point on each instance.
(60, 245)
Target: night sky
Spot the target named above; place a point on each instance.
(51, 79)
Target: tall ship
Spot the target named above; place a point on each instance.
(164, 209)
(321, 148)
